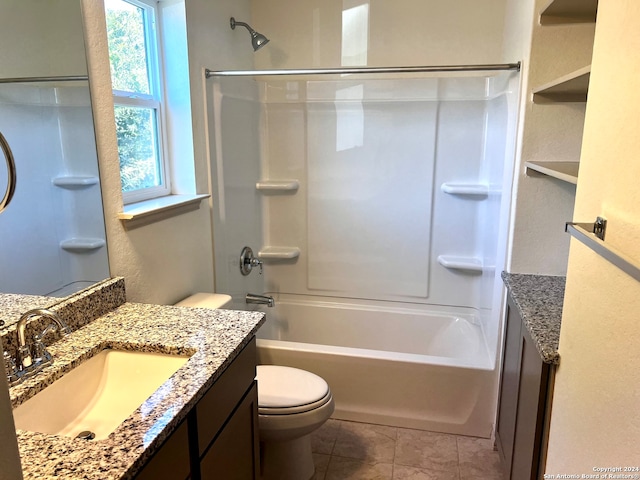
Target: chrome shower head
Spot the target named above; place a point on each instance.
(257, 39)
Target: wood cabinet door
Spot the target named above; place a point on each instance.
(530, 420)
(172, 460)
(509, 385)
(234, 454)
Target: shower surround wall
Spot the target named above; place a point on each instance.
(371, 193)
(62, 247)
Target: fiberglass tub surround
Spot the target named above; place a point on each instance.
(56, 218)
(372, 200)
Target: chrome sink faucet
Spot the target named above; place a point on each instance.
(31, 359)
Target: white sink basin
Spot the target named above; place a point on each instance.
(97, 395)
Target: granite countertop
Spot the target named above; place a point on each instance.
(213, 337)
(12, 305)
(539, 301)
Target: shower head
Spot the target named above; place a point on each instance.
(257, 39)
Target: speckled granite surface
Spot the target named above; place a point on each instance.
(12, 305)
(213, 337)
(76, 310)
(539, 300)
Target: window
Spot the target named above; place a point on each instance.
(137, 95)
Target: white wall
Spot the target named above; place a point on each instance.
(167, 260)
(596, 414)
(40, 26)
(407, 32)
(213, 45)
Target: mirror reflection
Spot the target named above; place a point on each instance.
(52, 235)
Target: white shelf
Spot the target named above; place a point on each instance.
(278, 253)
(476, 190)
(569, 11)
(75, 182)
(278, 186)
(81, 245)
(572, 87)
(453, 262)
(565, 171)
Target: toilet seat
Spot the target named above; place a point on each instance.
(286, 390)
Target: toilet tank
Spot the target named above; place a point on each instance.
(205, 300)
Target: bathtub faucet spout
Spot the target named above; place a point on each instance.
(260, 299)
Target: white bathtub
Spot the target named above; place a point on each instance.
(401, 366)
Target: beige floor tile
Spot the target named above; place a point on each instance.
(435, 452)
(401, 472)
(321, 463)
(361, 441)
(478, 459)
(350, 469)
(323, 439)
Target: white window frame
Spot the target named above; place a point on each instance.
(154, 101)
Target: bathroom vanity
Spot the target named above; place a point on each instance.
(201, 423)
(530, 357)
(219, 437)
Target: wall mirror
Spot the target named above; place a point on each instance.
(52, 234)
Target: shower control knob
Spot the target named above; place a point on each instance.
(248, 261)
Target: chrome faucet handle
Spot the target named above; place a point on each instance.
(255, 262)
(11, 369)
(248, 261)
(39, 353)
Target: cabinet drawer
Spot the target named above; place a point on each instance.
(219, 402)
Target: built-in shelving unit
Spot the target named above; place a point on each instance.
(572, 87)
(565, 171)
(469, 189)
(278, 186)
(569, 11)
(278, 253)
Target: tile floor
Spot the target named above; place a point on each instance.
(360, 451)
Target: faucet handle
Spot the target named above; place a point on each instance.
(39, 353)
(11, 369)
(248, 261)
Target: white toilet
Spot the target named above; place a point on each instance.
(292, 403)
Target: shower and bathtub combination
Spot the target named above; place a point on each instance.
(378, 204)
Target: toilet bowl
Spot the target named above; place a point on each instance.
(292, 403)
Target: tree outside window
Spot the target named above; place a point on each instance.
(136, 89)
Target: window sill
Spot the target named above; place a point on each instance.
(151, 211)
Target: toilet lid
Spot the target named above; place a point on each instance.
(286, 387)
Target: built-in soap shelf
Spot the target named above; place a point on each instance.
(278, 253)
(82, 245)
(72, 182)
(466, 189)
(277, 186)
(565, 171)
(455, 262)
(570, 88)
